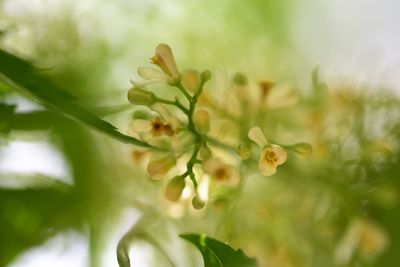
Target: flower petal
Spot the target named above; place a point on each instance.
(157, 168)
(147, 82)
(140, 126)
(191, 80)
(234, 176)
(166, 115)
(150, 73)
(255, 134)
(280, 153)
(265, 167)
(164, 58)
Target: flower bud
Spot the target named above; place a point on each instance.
(142, 115)
(197, 202)
(164, 58)
(243, 151)
(175, 188)
(302, 149)
(205, 152)
(191, 80)
(205, 75)
(256, 135)
(201, 119)
(138, 96)
(160, 167)
(240, 79)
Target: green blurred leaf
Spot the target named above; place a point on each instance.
(218, 254)
(31, 79)
(6, 111)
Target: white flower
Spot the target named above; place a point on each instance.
(150, 126)
(201, 119)
(271, 156)
(159, 167)
(151, 76)
(174, 189)
(191, 80)
(221, 172)
(363, 236)
(164, 58)
(153, 128)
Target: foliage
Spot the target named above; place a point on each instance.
(217, 254)
(296, 174)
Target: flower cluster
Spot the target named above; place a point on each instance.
(185, 142)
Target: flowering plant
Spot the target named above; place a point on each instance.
(255, 163)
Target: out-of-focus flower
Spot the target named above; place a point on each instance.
(139, 156)
(243, 151)
(159, 167)
(164, 58)
(265, 88)
(201, 119)
(205, 152)
(151, 128)
(150, 125)
(280, 96)
(302, 149)
(175, 188)
(271, 156)
(221, 172)
(256, 135)
(241, 88)
(364, 236)
(151, 76)
(197, 202)
(167, 115)
(190, 80)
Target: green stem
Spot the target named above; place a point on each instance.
(184, 92)
(173, 103)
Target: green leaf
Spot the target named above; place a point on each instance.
(33, 80)
(218, 254)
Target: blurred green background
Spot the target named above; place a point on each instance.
(85, 191)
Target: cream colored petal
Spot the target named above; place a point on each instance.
(166, 115)
(256, 135)
(280, 153)
(157, 168)
(165, 52)
(191, 80)
(140, 126)
(150, 73)
(201, 119)
(234, 176)
(265, 167)
(148, 82)
(210, 165)
(282, 96)
(146, 137)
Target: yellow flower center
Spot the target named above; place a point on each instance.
(270, 157)
(156, 127)
(221, 174)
